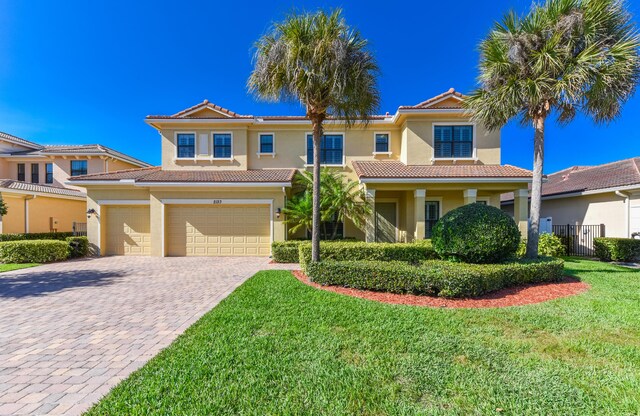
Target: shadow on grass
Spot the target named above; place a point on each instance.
(40, 283)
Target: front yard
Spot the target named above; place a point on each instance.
(277, 346)
(15, 266)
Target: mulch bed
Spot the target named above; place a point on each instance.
(513, 296)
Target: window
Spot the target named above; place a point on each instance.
(78, 167)
(266, 144)
(186, 145)
(453, 141)
(222, 145)
(483, 202)
(331, 149)
(431, 216)
(382, 143)
(21, 172)
(48, 167)
(35, 173)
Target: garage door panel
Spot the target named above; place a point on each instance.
(218, 231)
(128, 231)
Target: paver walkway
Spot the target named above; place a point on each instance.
(71, 331)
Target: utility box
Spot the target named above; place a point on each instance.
(53, 224)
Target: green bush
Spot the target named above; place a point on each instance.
(35, 236)
(549, 245)
(33, 251)
(617, 249)
(476, 233)
(78, 246)
(434, 277)
(286, 251)
(359, 250)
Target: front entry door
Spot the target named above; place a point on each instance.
(386, 222)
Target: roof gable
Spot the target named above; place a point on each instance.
(206, 109)
(448, 99)
(12, 141)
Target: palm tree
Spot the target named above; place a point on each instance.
(299, 212)
(563, 57)
(341, 199)
(319, 61)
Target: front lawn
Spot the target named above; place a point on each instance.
(12, 266)
(277, 346)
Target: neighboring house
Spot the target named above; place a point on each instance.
(32, 182)
(607, 194)
(225, 178)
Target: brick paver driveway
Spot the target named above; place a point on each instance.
(71, 331)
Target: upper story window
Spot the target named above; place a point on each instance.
(453, 141)
(186, 145)
(48, 167)
(266, 144)
(222, 145)
(35, 173)
(21, 172)
(331, 149)
(78, 167)
(381, 143)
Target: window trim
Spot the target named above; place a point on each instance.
(86, 171)
(175, 142)
(35, 172)
(46, 174)
(474, 153)
(326, 133)
(213, 145)
(486, 199)
(437, 199)
(273, 136)
(24, 171)
(387, 153)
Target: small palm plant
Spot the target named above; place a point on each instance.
(321, 62)
(299, 212)
(565, 56)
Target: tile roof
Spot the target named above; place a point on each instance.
(398, 170)
(590, 178)
(18, 140)
(440, 97)
(11, 184)
(156, 174)
(82, 149)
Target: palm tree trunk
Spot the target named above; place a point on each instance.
(536, 188)
(316, 121)
(334, 234)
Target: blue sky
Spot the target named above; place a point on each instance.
(89, 72)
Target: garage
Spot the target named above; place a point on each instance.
(128, 231)
(220, 230)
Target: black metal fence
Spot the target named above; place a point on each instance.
(578, 239)
(80, 228)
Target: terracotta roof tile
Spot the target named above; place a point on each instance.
(18, 140)
(11, 184)
(82, 149)
(398, 170)
(427, 103)
(156, 174)
(590, 178)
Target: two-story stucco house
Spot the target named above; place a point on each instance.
(225, 178)
(32, 182)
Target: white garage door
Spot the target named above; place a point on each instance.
(128, 231)
(634, 219)
(223, 230)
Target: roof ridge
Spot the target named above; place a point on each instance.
(117, 171)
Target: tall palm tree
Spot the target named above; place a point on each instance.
(319, 61)
(563, 57)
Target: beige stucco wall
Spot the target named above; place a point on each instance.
(41, 209)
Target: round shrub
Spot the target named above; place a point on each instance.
(476, 233)
(34, 251)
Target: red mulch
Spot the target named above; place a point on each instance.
(513, 296)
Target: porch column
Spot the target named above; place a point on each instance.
(470, 196)
(370, 227)
(521, 210)
(418, 199)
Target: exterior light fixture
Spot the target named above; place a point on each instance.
(278, 212)
(91, 212)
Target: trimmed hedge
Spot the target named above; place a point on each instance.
(78, 246)
(286, 251)
(617, 249)
(35, 236)
(34, 251)
(549, 245)
(434, 277)
(359, 250)
(476, 233)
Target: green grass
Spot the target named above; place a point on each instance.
(276, 346)
(12, 266)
